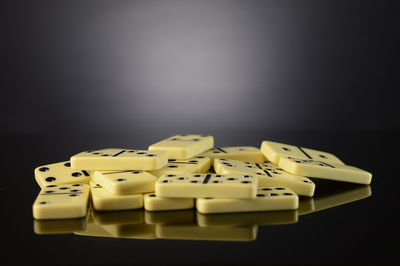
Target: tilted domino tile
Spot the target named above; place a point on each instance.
(323, 170)
(206, 185)
(60, 173)
(125, 182)
(63, 226)
(103, 200)
(184, 146)
(269, 175)
(195, 232)
(199, 164)
(268, 199)
(61, 202)
(154, 203)
(250, 218)
(274, 151)
(170, 217)
(334, 199)
(119, 159)
(241, 153)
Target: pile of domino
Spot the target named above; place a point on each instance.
(186, 171)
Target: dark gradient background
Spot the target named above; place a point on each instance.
(119, 67)
(78, 75)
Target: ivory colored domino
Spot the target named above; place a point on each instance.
(323, 170)
(103, 200)
(269, 175)
(241, 153)
(248, 218)
(195, 232)
(125, 182)
(184, 146)
(62, 202)
(268, 199)
(275, 150)
(119, 159)
(199, 164)
(60, 173)
(154, 203)
(206, 185)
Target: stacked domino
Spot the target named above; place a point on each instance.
(184, 171)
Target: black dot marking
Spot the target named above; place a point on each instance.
(44, 169)
(50, 179)
(306, 181)
(266, 188)
(273, 194)
(249, 166)
(218, 175)
(44, 202)
(246, 182)
(73, 195)
(175, 139)
(51, 186)
(285, 149)
(194, 181)
(287, 194)
(216, 181)
(195, 139)
(152, 195)
(247, 176)
(96, 153)
(63, 188)
(132, 151)
(171, 160)
(275, 172)
(323, 156)
(75, 190)
(136, 172)
(231, 178)
(165, 181)
(151, 155)
(105, 155)
(260, 195)
(279, 169)
(193, 161)
(215, 151)
(297, 161)
(141, 152)
(76, 174)
(280, 188)
(172, 166)
(181, 178)
(171, 175)
(120, 179)
(200, 157)
(49, 191)
(76, 185)
(208, 198)
(197, 175)
(258, 173)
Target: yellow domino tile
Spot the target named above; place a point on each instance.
(199, 164)
(206, 185)
(170, 217)
(323, 170)
(247, 218)
(154, 203)
(61, 202)
(62, 226)
(195, 232)
(103, 200)
(119, 159)
(241, 153)
(125, 182)
(269, 175)
(60, 173)
(274, 151)
(184, 146)
(268, 199)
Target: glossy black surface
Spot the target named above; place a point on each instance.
(359, 232)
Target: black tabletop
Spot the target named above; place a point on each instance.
(342, 224)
